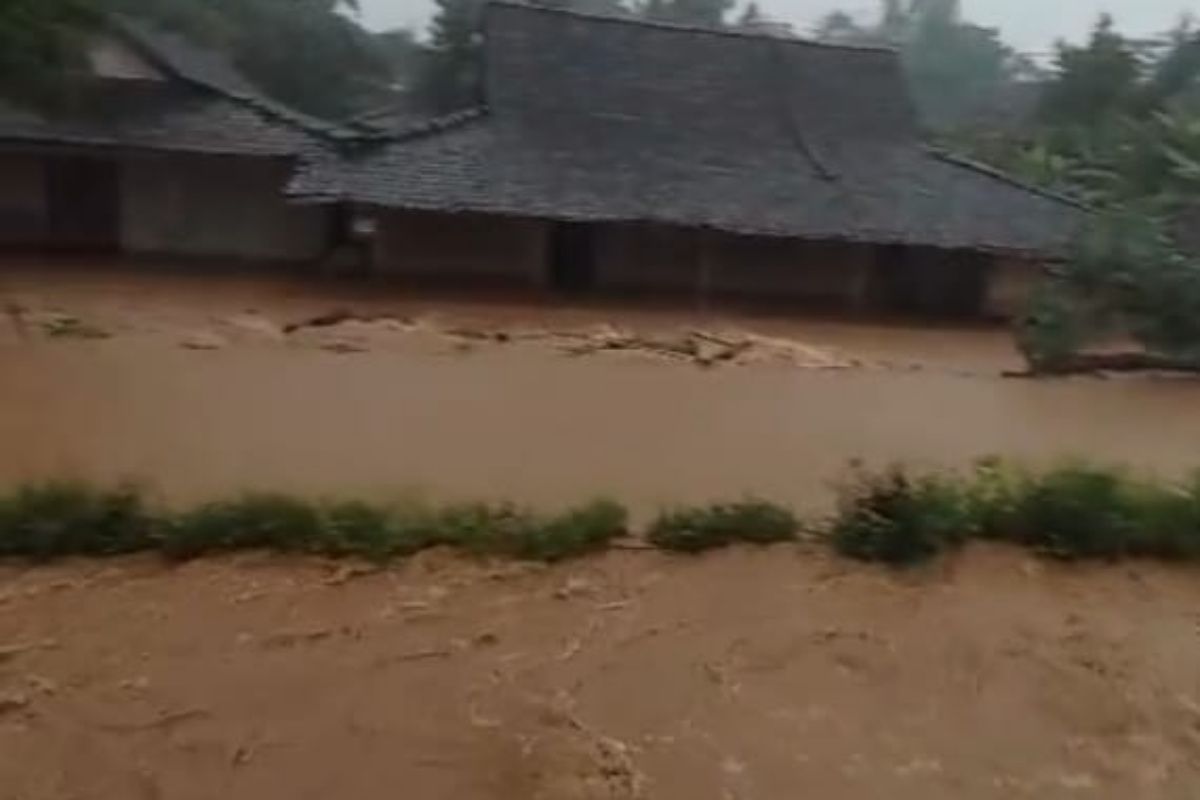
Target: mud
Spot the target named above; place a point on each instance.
(195, 385)
(747, 674)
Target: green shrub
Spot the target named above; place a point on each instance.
(994, 495)
(1074, 511)
(58, 519)
(1168, 520)
(354, 528)
(894, 518)
(1081, 511)
(584, 530)
(695, 530)
(510, 531)
(253, 521)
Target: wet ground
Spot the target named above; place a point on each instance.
(754, 675)
(198, 390)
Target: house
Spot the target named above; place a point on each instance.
(160, 148)
(617, 154)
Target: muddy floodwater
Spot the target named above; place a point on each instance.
(628, 676)
(196, 389)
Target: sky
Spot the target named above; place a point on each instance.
(1028, 25)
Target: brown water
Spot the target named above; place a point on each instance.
(519, 422)
(742, 675)
(745, 674)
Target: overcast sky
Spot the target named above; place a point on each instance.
(1030, 25)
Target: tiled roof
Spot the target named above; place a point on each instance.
(615, 119)
(205, 106)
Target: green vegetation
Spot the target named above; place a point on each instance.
(61, 519)
(1116, 124)
(899, 519)
(1074, 511)
(39, 43)
(57, 519)
(698, 529)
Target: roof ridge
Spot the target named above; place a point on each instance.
(140, 33)
(426, 127)
(679, 27)
(999, 175)
(780, 97)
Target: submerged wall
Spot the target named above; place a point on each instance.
(650, 259)
(176, 204)
(23, 214)
(431, 247)
(214, 206)
(1011, 282)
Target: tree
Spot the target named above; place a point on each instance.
(307, 53)
(953, 67)
(1093, 82)
(451, 79)
(1173, 77)
(40, 40)
(405, 55)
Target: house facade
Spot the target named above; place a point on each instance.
(161, 148)
(616, 154)
(610, 155)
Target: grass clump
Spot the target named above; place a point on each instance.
(695, 530)
(50, 520)
(1072, 511)
(254, 521)
(1078, 511)
(1171, 516)
(899, 519)
(505, 530)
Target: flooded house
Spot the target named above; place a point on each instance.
(159, 147)
(622, 155)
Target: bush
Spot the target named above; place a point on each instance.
(1079, 511)
(253, 521)
(1074, 511)
(58, 519)
(995, 493)
(897, 519)
(588, 529)
(510, 531)
(354, 528)
(1168, 520)
(698, 529)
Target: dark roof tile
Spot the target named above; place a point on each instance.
(612, 119)
(204, 106)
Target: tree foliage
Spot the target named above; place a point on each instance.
(954, 67)
(1118, 127)
(311, 54)
(451, 77)
(307, 53)
(40, 42)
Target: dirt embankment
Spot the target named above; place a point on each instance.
(742, 675)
